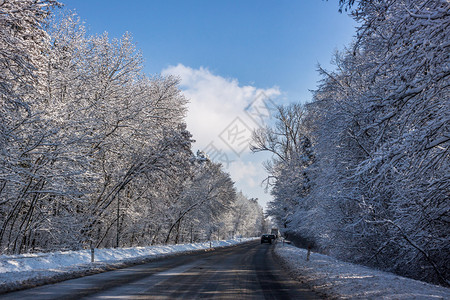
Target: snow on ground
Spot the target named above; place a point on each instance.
(342, 280)
(28, 270)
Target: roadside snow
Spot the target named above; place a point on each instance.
(341, 280)
(28, 270)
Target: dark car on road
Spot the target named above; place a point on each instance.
(265, 238)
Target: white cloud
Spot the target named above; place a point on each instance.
(245, 171)
(218, 108)
(215, 102)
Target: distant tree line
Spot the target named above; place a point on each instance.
(93, 152)
(363, 171)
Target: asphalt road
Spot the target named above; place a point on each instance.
(247, 271)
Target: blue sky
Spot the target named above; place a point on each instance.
(228, 53)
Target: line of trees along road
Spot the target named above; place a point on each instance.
(362, 172)
(94, 153)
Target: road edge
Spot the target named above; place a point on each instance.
(293, 275)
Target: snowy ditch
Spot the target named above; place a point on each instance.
(29, 270)
(341, 280)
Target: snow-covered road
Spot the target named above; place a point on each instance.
(29, 270)
(246, 271)
(250, 271)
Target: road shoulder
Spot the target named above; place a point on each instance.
(337, 279)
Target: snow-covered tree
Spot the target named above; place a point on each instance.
(378, 126)
(248, 217)
(97, 153)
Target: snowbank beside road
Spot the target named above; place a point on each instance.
(55, 260)
(27, 270)
(338, 279)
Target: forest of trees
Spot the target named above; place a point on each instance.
(362, 172)
(93, 152)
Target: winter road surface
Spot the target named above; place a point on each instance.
(247, 271)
